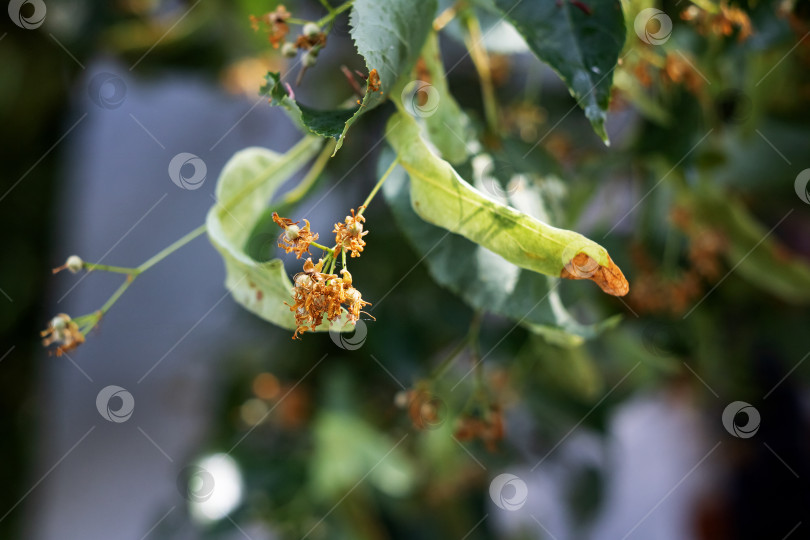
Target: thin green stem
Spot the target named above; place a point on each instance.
(480, 58)
(332, 265)
(442, 368)
(327, 5)
(377, 187)
(171, 248)
(320, 246)
(343, 258)
(109, 268)
(471, 340)
(299, 191)
(335, 12)
(116, 295)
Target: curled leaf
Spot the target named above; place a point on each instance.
(245, 186)
(439, 196)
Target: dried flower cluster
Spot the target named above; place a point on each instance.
(487, 427)
(656, 292)
(349, 234)
(722, 23)
(425, 410)
(677, 69)
(319, 293)
(275, 23)
(294, 239)
(64, 332)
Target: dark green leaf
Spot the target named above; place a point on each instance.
(580, 40)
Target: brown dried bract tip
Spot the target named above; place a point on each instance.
(609, 278)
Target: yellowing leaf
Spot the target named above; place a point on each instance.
(441, 197)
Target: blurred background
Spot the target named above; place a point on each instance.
(687, 420)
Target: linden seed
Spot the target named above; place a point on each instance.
(310, 59)
(356, 228)
(58, 323)
(311, 30)
(292, 232)
(289, 50)
(74, 264)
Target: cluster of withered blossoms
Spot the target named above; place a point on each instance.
(63, 332)
(320, 293)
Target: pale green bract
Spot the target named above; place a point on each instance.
(246, 184)
(446, 123)
(439, 196)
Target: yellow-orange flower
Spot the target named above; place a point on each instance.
(276, 22)
(64, 332)
(722, 23)
(349, 234)
(317, 295)
(294, 239)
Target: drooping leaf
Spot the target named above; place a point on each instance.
(439, 196)
(389, 36)
(483, 279)
(580, 40)
(245, 186)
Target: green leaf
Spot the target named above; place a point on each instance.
(483, 279)
(389, 36)
(497, 35)
(440, 197)
(583, 48)
(431, 100)
(246, 184)
(326, 123)
(348, 450)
